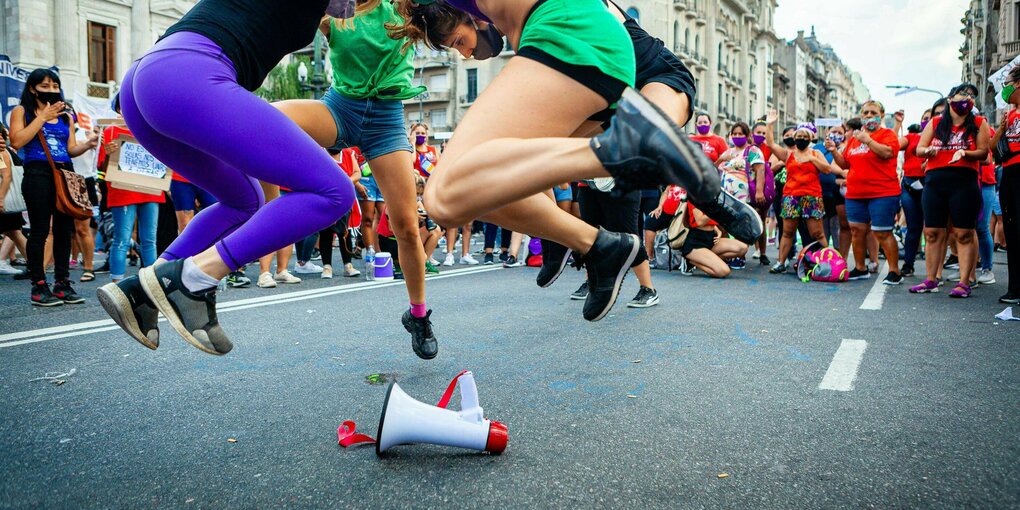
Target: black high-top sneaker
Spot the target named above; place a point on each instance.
(192, 314)
(607, 264)
(554, 259)
(41, 295)
(131, 309)
(62, 290)
(423, 339)
(644, 149)
(734, 216)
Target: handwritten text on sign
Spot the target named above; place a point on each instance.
(136, 160)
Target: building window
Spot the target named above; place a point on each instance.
(634, 13)
(102, 53)
(697, 44)
(413, 116)
(439, 83)
(438, 118)
(687, 38)
(472, 85)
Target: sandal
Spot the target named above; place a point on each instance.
(87, 276)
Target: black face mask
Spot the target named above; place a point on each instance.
(802, 144)
(49, 97)
(788, 141)
(489, 44)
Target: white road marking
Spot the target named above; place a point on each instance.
(87, 328)
(842, 371)
(876, 297)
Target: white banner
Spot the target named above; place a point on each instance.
(89, 110)
(998, 81)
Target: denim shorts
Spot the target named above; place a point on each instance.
(374, 195)
(563, 195)
(879, 212)
(375, 126)
(184, 195)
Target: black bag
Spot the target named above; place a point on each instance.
(1001, 153)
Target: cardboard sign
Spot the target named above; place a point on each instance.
(132, 168)
(828, 122)
(998, 81)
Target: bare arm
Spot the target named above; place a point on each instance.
(924, 149)
(820, 162)
(75, 149)
(6, 175)
(984, 137)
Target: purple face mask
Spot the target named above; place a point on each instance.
(340, 9)
(739, 141)
(924, 124)
(419, 140)
(703, 130)
(758, 139)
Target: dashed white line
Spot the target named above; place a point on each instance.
(842, 371)
(876, 298)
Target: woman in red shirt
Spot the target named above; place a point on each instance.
(872, 190)
(910, 197)
(954, 144)
(1009, 188)
(712, 145)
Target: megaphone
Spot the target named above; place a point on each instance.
(405, 420)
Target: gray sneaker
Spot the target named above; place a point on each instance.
(986, 277)
(131, 309)
(646, 298)
(193, 315)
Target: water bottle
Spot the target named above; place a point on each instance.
(370, 264)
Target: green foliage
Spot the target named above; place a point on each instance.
(282, 82)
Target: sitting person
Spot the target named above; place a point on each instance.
(706, 248)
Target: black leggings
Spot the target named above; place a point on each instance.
(325, 238)
(615, 214)
(1009, 199)
(41, 199)
(490, 237)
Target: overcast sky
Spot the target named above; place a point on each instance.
(889, 42)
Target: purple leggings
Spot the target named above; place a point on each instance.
(183, 103)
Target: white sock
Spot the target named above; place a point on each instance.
(194, 279)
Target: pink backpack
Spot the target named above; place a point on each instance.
(821, 265)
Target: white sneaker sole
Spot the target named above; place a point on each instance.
(152, 288)
(118, 307)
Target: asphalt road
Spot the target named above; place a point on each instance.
(710, 399)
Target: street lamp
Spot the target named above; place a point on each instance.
(421, 80)
(317, 85)
(906, 89)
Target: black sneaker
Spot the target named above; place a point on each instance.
(103, 269)
(952, 262)
(511, 261)
(316, 254)
(907, 271)
(423, 339)
(1010, 298)
(607, 264)
(41, 295)
(62, 290)
(644, 149)
(581, 293)
(126, 302)
(24, 275)
(764, 260)
(734, 216)
(132, 260)
(237, 279)
(554, 259)
(488, 260)
(645, 298)
(504, 256)
(893, 279)
(856, 274)
(192, 314)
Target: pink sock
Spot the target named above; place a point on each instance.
(418, 311)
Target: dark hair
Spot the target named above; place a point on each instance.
(333, 152)
(28, 99)
(789, 128)
(914, 128)
(116, 103)
(1014, 74)
(432, 23)
(741, 125)
(703, 114)
(944, 131)
(758, 123)
(854, 123)
(941, 102)
(964, 86)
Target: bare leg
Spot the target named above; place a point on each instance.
(397, 184)
(860, 244)
(183, 218)
(85, 242)
(873, 247)
(967, 251)
(465, 239)
(817, 231)
(710, 263)
(643, 272)
(891, 249)
(934, 251)
(844, 232)
(786, 242)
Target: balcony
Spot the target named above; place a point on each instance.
(1012, 48)
(680, 5)
(429, 96)
(100, 90)
(701, 19)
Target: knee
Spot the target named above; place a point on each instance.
(721, 271)
(440, 211)
(965, 236)
(339, 195)
(931, 236)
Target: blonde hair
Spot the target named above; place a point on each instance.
(363, 7)
(416, 125)
(881, 107)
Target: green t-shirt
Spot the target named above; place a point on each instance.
(367, 63)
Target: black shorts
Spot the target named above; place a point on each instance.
(10, 222)
(832, 202)
(951, 193)
(573, 191)
(666, 68)
(697, 239)
(615, 214)
(660, 223)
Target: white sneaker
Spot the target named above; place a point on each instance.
(266, 281)
(7, 268)
(757, 255)
(285, 277)
(434, 261)
(449, 260)
(327, 272)
(468, 260)
(872, 266)
(350, 271)
(308, 268)
(986, 277)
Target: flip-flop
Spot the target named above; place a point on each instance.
(87, 276)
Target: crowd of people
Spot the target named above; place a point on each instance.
(578, 143)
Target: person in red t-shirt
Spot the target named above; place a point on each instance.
(910, 196)
(872, 190)
(712, 145)
(954, 144)
(705, 248)
(425, 155)
(1009, 185)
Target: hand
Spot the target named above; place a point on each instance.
(52, 111)
(957, 156)
(772, 117)
(3, 144)
(830, 145)
(362, 192)
(421, 214)
(656, 213)
(862, 136)
(92, 140)
(112, 147)
(759, 197)
(2, 198)
(1005, 122)
(931, 152)
(899, 116)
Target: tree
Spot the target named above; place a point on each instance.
(282, 82)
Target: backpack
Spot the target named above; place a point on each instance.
(821, 264)
(676, 234)
(752, 183)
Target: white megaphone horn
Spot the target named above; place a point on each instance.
(405, 420)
